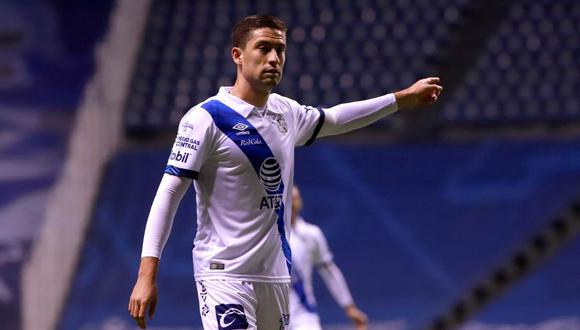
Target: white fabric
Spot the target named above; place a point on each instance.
(309, 250)
(169, 194)
(237, 234)
(346, 117)
(237, 222)
(227, 304)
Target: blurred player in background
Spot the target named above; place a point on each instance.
(309, 250)
(238, 149)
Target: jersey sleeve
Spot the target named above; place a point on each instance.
(308, 121)
(322, 254)
(193, 144)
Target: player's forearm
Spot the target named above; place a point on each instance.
(160, 220)
(148, 268)
(406, 98)
(403, 98)
(346, 117)
(336, 284)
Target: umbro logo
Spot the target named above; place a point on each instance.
(240, 127)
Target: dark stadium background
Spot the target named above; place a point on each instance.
(463, 214)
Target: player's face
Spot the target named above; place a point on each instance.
(262, 58)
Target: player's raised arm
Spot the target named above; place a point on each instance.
(346, 117)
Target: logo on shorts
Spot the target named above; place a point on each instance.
(284, 321)
(230, 317)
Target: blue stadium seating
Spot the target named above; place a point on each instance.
(528, 72)
(347, 50)
(338, 51)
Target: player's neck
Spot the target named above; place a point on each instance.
(244, 91)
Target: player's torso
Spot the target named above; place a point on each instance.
(242, 188)
(249, 164)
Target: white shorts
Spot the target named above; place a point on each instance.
(230, 304)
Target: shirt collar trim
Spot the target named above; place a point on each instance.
(240, 106)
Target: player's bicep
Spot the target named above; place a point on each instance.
(192, 145)
(308, 121)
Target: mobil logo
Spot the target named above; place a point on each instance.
(179, 157)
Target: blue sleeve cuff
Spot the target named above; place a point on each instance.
(181, 172)
(318, 127)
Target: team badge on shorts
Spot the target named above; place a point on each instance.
(284, 321)
(230, 317)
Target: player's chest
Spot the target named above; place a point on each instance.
(257, 138)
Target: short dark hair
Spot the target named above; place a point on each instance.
(241, 32)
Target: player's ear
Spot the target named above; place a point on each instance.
(237, 55)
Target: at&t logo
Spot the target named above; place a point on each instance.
(271, 174)
(271, 177)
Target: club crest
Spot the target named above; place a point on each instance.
(281, 123)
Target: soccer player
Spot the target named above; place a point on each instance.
(238, 147)
(309, 250)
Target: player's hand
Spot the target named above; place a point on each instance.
(143, 300)
(423, 92)
(357, 317)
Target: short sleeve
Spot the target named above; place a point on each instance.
(193, 144)
(322, 253)
(308, 121)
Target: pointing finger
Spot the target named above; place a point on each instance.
(433, 80)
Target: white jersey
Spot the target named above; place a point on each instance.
(309, 249)
(242, 160)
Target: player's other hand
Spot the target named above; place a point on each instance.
(143, 299)
(423, 92)
(357, 317)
